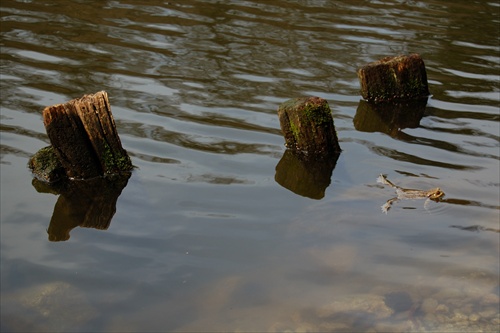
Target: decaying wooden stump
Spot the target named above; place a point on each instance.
(312, 146)
(84, 139)
(308, 126)
(394, 78)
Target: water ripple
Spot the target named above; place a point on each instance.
(194, 87)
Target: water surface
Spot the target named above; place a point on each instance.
(204, 238)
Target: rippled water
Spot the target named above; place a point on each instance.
(204, 238)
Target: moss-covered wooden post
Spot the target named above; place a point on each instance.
(84, 140)
(394, 78)
(312, 146)
(308, 126)
(85, 147)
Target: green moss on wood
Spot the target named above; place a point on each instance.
(295, 131)
(115, 161)
(307, 125)
(394, 78)
(318, 113)
(46, 166)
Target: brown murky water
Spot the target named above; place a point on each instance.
(204, 238)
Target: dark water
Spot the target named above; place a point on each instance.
(204, 238)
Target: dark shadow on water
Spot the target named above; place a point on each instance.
(399, 301)
(308, 176)
(389, 118)
(465, 202)
(82, 203)
(475, 228)
(392, 118)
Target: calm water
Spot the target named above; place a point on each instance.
(204, 238)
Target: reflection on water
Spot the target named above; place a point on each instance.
(475, 228)
(304, 175)
(389, 118)
(82, 203)
(203, 236)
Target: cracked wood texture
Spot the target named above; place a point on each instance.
(83, 134)
(394, 78)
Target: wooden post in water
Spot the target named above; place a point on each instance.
(84, 137)
(85, 146)
(312, 146)
(394, 78)
(308, 126)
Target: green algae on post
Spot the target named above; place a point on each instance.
(394, 78)
(46, 166)
(308, 126)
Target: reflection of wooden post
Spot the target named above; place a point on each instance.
(84, 137)
(308, 127)
(313, 147)
(389, 118)
(394, 78)
(308, 177)
(89, 203)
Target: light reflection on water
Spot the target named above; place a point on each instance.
(204, 237)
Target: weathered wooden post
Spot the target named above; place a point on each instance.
(312, 146)
(395, 90)
(394, 78)
(308, 126)
(86, 164)
(85, 143)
